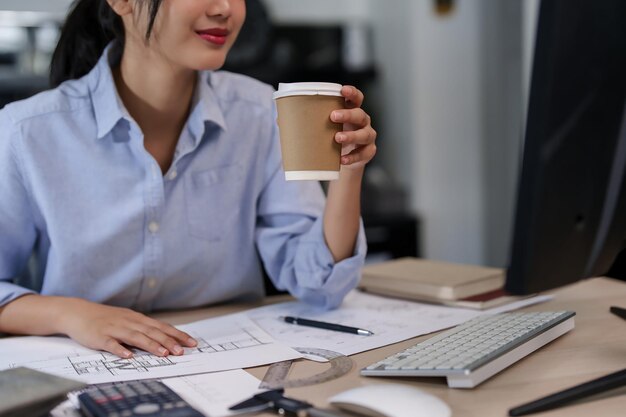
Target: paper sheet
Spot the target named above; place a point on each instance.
(228, 342)
(212, 394)
(391, 320)
(68, 408)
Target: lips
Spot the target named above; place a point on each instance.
(216, 36)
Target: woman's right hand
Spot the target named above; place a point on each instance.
(111, 329)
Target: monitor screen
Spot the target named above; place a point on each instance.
(570, 220)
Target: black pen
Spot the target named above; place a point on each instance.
(327, 326)
(578, 392)
(618, 311)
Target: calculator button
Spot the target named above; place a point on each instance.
(146, 408)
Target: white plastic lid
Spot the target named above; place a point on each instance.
(308, 89)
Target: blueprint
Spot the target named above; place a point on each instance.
(229, 342)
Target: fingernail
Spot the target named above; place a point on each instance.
(177, 350)
(162, 351)
(191, 341)
(341, 137)
(127, 353)
(337, 116)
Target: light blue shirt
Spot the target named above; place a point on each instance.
(78, 189)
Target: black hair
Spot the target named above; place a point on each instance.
(90, 26)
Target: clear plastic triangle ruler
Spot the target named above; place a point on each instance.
(276, 375)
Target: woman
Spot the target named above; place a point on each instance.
(145, 180)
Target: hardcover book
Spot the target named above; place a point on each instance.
(433, 281)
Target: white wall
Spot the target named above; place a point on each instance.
(394, 36)
(451, 123)
(447, 187)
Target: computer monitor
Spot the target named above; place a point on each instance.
(570, 220)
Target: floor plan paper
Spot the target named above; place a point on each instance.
(224, 343)
(391, 320)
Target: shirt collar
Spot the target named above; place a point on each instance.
(107, 105)
(205, 108)
(109, 109)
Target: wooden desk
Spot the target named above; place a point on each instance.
(597, 346)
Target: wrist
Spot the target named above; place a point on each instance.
(63, 313)
(348, 186)
(33, 314)
(354, 173)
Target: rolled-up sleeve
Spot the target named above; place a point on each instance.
(291, 243)
(17, 230)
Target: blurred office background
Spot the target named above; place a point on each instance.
(445, 83)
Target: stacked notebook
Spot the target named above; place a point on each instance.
(458, 285)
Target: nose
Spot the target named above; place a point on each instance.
(218, 8)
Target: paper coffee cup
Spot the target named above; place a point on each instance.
(307, 135)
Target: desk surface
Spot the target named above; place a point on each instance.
(596, 347)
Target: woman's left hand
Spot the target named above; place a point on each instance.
(358, 138)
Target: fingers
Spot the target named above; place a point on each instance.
(356, 117)
(111, 345)
(159, 338)
(361, 154)
(363, 136)
(184, 338)
(354, 97)
(113, 329)
(141, 340)
(147, 334)
(151, 340)
(169, 343)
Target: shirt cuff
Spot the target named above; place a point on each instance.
(323, 282)
(9, 292)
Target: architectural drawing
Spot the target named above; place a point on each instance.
(144, 362)
(224, 343)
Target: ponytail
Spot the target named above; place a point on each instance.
(88, 29)
(90, 26)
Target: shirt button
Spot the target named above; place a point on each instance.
(173, 175)
(153, 227)
(152, 282)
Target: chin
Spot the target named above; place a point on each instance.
(208, 64)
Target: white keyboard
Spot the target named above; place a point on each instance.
(477, 349)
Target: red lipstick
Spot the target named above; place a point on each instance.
(215, 36)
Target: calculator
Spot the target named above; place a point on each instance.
(134, 399)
